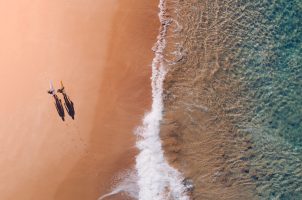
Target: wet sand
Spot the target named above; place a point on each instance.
(102, 52)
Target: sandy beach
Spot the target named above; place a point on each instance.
(101, 50)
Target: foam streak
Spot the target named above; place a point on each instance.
(156, 179)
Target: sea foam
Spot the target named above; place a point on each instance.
(156, 179)
(153, 178)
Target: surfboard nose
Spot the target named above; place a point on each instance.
(51, 85)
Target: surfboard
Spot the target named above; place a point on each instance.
(52, 89)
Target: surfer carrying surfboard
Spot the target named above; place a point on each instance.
(51, 91)
(61, 90)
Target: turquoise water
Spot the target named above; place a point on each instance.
(275, 73)
(242, 61)
(270, 63)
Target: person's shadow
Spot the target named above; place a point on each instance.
(59, 107)
(68, 104)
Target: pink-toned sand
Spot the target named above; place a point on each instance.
(101, 49)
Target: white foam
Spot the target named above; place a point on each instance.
(156, 179)
(153, 178)
(127, 184)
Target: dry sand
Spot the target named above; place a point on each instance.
(102, 52)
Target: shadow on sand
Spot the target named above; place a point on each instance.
(68, 105)
(59, 107)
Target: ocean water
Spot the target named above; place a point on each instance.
(271, 69)
(236, 82)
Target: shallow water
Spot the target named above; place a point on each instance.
(235, 83)
(271, 69)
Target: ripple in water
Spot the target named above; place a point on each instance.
(243, 61)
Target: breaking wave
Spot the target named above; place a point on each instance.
(153, 178)
(156, 179)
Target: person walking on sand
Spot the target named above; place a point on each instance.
(51, 91)
(61, 90)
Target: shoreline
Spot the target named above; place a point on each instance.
(156, 178)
